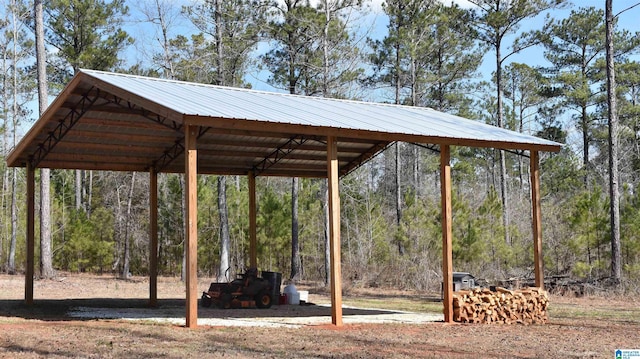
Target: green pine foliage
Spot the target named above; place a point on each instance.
(88, 245)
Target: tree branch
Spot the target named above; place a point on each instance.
(629, 8)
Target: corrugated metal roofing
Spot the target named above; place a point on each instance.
(216, 101)
(114, 121)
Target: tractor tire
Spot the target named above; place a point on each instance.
(206, 301)
(264, 300)
(224, 302)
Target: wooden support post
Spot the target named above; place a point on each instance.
(191, 202)
(447, 257)
(153, 238)
(253, 245)
(537, 219)
(334, 231)
(30, 269)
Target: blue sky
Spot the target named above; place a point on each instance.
(146, 36)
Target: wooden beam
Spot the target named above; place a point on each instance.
(253, 244)
(287, 128)
(537, 219)
(109, 148)
(334, 231)
(104, 135)
(63, 127)
(447, 256)
(101, 166)
(101, 157)
(364, 157)
(153, 238)
(30, 265)
(39, 126)
(191, 202)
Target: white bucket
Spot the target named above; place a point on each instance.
(293, 298)
(304, 295)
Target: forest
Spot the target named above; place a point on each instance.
(466, 58)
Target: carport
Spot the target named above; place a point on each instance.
(116, 122)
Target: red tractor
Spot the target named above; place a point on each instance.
(246, 291)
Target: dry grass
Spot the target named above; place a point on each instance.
(578, 328)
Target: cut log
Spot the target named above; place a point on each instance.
(526, 306)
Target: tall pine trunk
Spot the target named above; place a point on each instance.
(46, 261)
(14, 183)
(11, 265)
(78, 189)
(183, 211)
(503, 164)
(616, 255)
(224, 229)
(127, 226)
(295, 240)
(327, 243)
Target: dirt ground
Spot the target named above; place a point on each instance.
(586, 327)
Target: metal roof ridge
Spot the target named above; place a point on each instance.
(265, 92)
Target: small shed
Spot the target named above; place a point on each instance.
(463, 280)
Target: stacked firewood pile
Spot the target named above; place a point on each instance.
(524, 306)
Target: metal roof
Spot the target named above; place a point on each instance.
(112, 121)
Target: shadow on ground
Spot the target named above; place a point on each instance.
(109, 308)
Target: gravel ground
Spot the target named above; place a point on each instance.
(289, 316)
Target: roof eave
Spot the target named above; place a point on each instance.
(239, 124)
(14, 156)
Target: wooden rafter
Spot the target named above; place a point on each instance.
(281, 152)
(431, 147)
(64, 125)
(173, 152)
(364, 157)
(132, 108)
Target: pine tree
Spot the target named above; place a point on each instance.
(87, 33)
(17, 90)
(234, 26)
(497, 19)
(46, 259)
(573, 46)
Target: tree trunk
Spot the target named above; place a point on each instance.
(416, 173)
(398, 200)
(327, 244)
(89, 194)
(616, 256)
(78, 189)
(295, 241)
(325, 50)
(183, 211)
(224, 229)
(219, 46)
(503, 164)
(127, 250)
(222, 180)
(585, 144)
(11, 265)
(46, 261)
